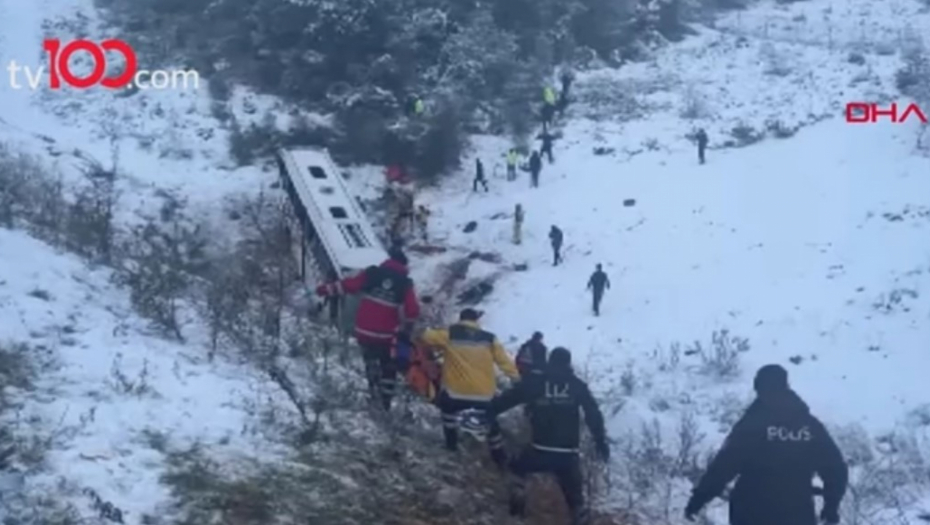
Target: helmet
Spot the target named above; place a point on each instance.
(474, 422)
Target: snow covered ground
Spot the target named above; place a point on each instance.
(813, 247)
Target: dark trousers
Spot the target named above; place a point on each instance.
(548, 111)
(482, 181)
(596, 303)
(534, 179)
(547, 150)
(565, 466)
(380, 371)
(511, 172)
(556, 254)
(450, 408)
(701, 154)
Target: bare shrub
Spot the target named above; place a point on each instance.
(657, 471)
(89, 229)
(745, 135)
(30, 195)
(722, 359)
(694, 105)
(159, 262)
(774, 61)
(888, 476)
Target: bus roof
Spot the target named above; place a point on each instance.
(334, 211)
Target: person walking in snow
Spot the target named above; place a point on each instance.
(531, 358)
(701, 144)
(567, 78)
(535, 168)
(470, 356)
(512, 157)
(479, 177)
(546, 149)
(548, 109)
(556, 399)
(422, 218)
(518, 224)
(773, 452)
(597, 284)
(556, 238)
(388, 300)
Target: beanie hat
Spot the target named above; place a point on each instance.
(537, 336)
(771, 378)
(560, 358)
(469, 314)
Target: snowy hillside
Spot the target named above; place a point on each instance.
(812, 247)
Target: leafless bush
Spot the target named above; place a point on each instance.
(744, 135)
(774, 61)
(888, 476)
(658, 471)
(694, 105)
(122, 384)
(722, 359)
(30, 195)
(89, 229)
(160, 260)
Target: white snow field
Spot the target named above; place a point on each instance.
(813, 247)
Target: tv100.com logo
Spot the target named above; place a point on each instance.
(60, 65)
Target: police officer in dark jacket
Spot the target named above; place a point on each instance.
(546, 149)
(555, 398)
(597, 284)
(774, 451)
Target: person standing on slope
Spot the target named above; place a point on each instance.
(773, 452)
(388, 302)
(548, 109)
(469, 356)
(597, 284)
(479, 177)
(546, 149)
(531, 358)
(701, 144)
(535, 168)
(555, 399)
(512, 157)
(518, 224)
(566, 78)
(555, 238)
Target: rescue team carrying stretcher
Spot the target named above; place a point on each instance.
(774, 451)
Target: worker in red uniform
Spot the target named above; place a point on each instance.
(389, 303)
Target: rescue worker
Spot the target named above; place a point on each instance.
(422, 219)
(773, 452)
(555, 398)
(546, 149)
(518, 224)
(388, 301)
(548, 110)
(469, 355)
(479, 177)
(701, 138)
(531, 358)
(535, 168)
(418, 106)
(555, 238)
(512, 157)
(597, 284)
(566, 78)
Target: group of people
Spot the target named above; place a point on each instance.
(773, 452)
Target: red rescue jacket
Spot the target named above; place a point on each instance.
(388, 300)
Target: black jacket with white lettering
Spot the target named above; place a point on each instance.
(774, 451)
(555, 397)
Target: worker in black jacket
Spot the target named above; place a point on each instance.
(531, 358)
(555, 398)
(774, 451)
(597, 284)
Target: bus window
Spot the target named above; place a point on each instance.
(338, 212)
(317, 172)
(354, 236)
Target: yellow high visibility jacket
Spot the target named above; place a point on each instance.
(469, 355)
(549, 95)
(511, 158)
(419, 107)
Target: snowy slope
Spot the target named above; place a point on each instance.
(107, 389)
(786, 242)
(814, 247)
